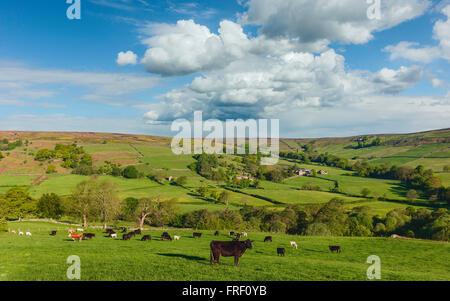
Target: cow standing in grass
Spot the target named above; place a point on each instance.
(228, 249)
(76, 236)
(336, 249)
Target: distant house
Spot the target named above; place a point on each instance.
(244, 177)
(302, 172)
(169, 178)
(323, 172)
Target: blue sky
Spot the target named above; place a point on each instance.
(230, 59)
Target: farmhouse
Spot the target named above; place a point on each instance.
(302, 172)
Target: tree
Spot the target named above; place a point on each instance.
(365, 192)
(224, 197)
(50, 205)
(181, 181)
(106, 200)
(80, 202)
(18, 203)
(145, 207)
(411, 195)
(130, 172)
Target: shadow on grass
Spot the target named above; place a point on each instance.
(188, 257)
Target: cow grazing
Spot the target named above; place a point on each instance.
(28, 234)
(281, 251)
(109, 230)
(80, 230)
(76, 236)
(176, 237)
(228, 249)
(232, 233)
(294, 244)
(216, 233)
(53, 233)
(126, 236)
(89, 235)
(336, 249)
(20, 233)
(196, 234)
(138, 231)
(268, 239)
(165, 236)
(244, 234)
(113, 235)
(13, 231)
(146, 237)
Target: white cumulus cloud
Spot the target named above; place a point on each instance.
(126, 58)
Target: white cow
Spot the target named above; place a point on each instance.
(294, 244)
(114, 235)
(80, 230)
(28, 233)
(244, 234)
(20, 233)
(176, 237)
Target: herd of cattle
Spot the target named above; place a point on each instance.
(235, 248)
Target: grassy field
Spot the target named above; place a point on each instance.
(43, 257)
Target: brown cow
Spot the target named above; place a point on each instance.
(228, 249)
(76, 236)
(196, 234)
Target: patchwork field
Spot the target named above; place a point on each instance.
(43, 257)
(152, 155)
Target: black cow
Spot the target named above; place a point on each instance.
(281, 251)
(146, 237)
(238, 236)
(231, 233)
(228, 249)
(88, 235)
(132, 233)
(165, 236)
(53, 233)
(138, 231)
(216, 233)
(197, 235)
(126, 236)
(124, 230)
(268, 239)
(336, 249)
(109, 231)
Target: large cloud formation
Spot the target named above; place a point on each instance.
(262, 87)
(414, 52)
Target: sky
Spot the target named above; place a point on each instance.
(324, 68)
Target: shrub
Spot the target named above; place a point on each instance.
(317, 229)
(130, 172)
(51, 169)
(4, 225)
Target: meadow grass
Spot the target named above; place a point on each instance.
(43, 257)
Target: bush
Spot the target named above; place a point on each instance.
(317, 229)
(51, 169)
(130, 172)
